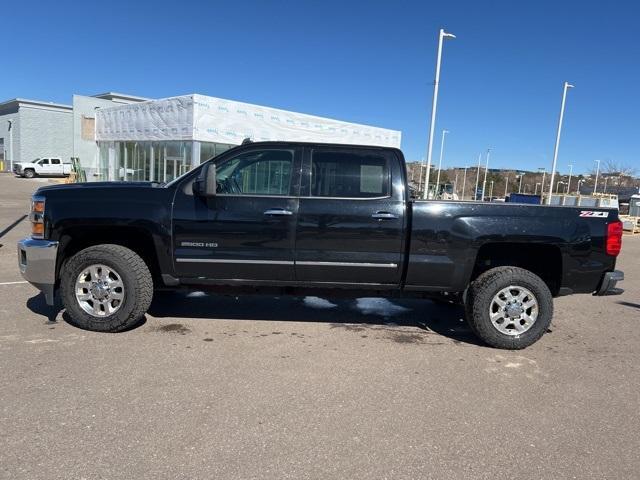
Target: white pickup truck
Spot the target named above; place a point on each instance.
(48, 166)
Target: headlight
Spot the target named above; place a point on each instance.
(37, 217)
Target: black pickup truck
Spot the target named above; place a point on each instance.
(296, 218)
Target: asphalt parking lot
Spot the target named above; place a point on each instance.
(263, 387)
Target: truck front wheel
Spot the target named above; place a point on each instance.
(106, 288)
(29, 173)
(509, 307)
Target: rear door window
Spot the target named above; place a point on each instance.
(349, 174)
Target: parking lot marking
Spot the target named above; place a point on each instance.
(13, 283)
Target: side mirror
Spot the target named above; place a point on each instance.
(205, 185)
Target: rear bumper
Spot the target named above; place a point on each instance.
(37, 264)
(608, 285)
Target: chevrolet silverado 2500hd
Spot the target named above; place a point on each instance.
(297, 218)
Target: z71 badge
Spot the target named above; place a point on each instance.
(591, 213)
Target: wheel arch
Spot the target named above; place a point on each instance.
(135, 238)
(544, 260)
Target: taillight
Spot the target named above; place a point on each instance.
(614, 238)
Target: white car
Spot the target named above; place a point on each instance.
(49, 166)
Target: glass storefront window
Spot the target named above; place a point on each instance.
(152, 161)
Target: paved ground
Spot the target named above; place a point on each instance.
(242, 388)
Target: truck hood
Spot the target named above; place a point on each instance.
(111, 186)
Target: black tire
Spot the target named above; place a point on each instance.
(135, 276)
(29, 173)
(480, 297)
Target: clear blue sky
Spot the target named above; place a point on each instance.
(363, 61)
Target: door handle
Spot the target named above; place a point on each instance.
(278, 212)
(384, 216)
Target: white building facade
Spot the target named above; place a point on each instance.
(159, 140)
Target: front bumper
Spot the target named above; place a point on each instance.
(608, 285)
(37, 263)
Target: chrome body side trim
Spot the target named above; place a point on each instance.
(223, 260)
(348, 264)
(284, 262)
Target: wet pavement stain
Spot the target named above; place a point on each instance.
(173, 328)
(400, 337)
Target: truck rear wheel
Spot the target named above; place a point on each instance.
(509, 307)
(106, 288)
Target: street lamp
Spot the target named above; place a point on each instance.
(434, 106)
(486, 169)
(544, 172)
(444, 132)
(595, 185)
(566, 87)
(569, 182)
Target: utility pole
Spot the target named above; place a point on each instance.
(475, 194)
(444, 132)
(464, 182)
(434, 106)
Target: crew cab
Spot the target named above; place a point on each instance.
(299, 218)
(48, 166)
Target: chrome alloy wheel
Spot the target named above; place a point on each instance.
(513, 310)
(99, 290)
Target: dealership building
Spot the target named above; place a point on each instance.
(124, 137)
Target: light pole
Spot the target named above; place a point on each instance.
(605, 184)
(566, 87)
(464, 182)
(569, 182)
(444, 132)
(455, 183)
(434, 106)
(475, 194)
(535, 192)
(544, 172)
(520, 186)
(486, 169)
(506, 185)
(579, 183)
(491, 191)
(595, 185)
